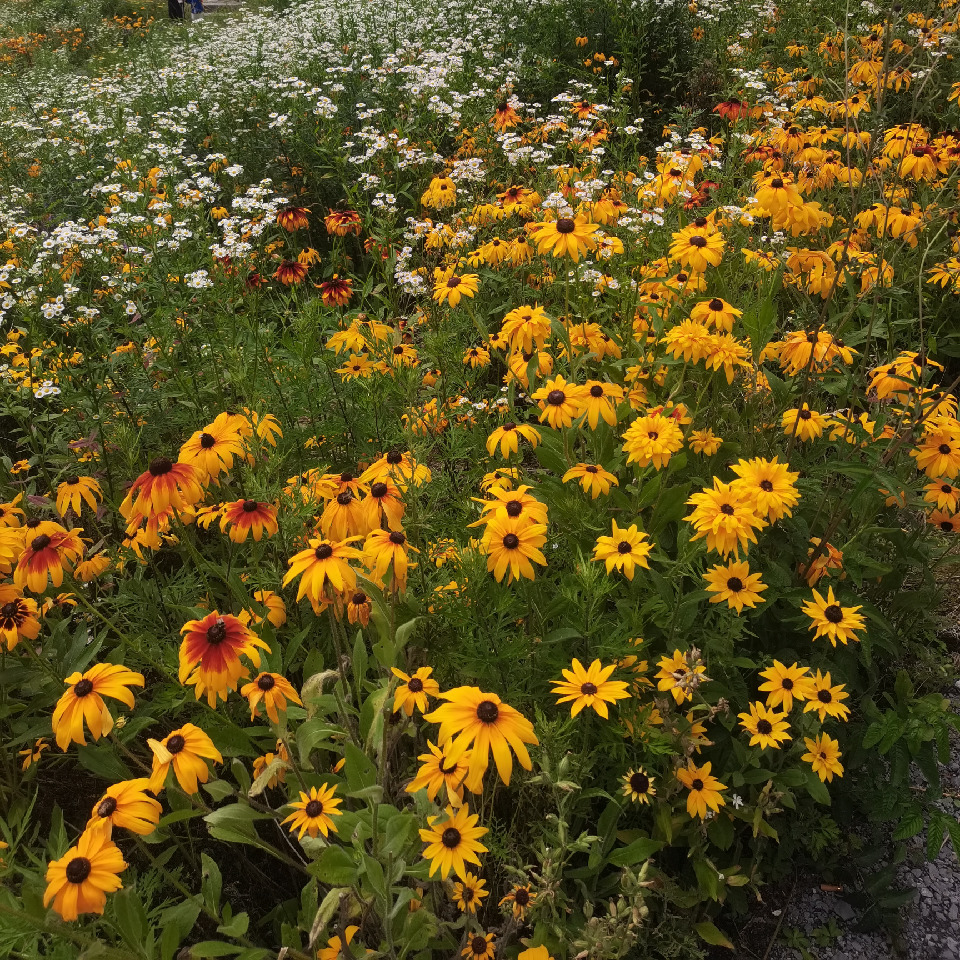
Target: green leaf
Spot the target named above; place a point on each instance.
(359, 771)
(237, 927)
(131, 917)
(721, 832)
(212, 948)
(272, 769)
(176, 922)
(335, 867)
(636, 852)
(211, 883)
(311, 733)
(708, 932)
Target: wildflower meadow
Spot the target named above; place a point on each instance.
(477, 479)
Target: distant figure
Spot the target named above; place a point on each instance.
(175, 9)
(196, 8)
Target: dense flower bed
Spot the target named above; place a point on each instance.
(457, 501)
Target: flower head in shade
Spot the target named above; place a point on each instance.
(705, 789)
(323, 566)
(786, 684)
(246, 517)
(437, 770)
(511, 544)
(823, 755)
(19, 617)
(766, 727)
(638, 785)
(453, 841)
(75, 491)
(735, 583)
(832, 621)
(81, 879)
(593, 479)
(826, 700)
(83, 702)
(127, 805)
(45, 557)
(590, 687)
(565, 237)
(469, 893)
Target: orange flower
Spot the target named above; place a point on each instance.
(249, 516)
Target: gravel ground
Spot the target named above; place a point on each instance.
(931, 925)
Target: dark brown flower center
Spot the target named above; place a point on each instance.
(323, 552)
(40, 543)
(379, 490)
(698, 242)
(596, 391)
(467, 895)
(566, 225)
(452, 283)
(697, 784)
(266, 682)
(415, 684)
(451, 838)
(776, 183)
(591, 469)
(72, 481)
(946, 526)
(359, 599)
(521, 897)
(397, 538)
(556, 398)
(207, 440)
(344, 498)
(176, 743)
(764, 727)
(653, 434)
(833, 613)
(83, 687)
(511, 541)
(250, 506)
(514, 508)
(825, 696)
(509, 426)
(588, 689)
(106, 807)
(313, 809)
(766, 485)
(734, 584)
(727, 509)
(715, 304)
(786, 683)
(639, 783)
(624, 547)
(487, 711)
(160, 466)
(944, 448)
(78, 869)
(9, 610)
(394, 457)
(217, 632)
(804, 414)
(946, 488)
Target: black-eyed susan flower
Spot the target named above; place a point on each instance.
(652, 439)
(560, 402)
(804, 423)
(565, 237)
(438, 771)
(245, 517)
(398, 466)
(336, 947)
(705, 789)
(128, 806)
(823, 754)
(594, 479)
(638, 785)
(274, 691)
(469, 894)
(453, 841)
(313, 813)
(271, 608)
(212, 450)
(590, 687)
(725, 517)
(324, 566)
(45, 558)
(19, 617)
(943, 495)
(472, 718)
(336, 292)
(290, 272)
(766, 727)
(165, 484)
(359, 607)
(705, 442)
(210, 654)
(716, 313)
(293, 218)
(938, 455)
(627, 549)
(785, 684)
(451, 289)
(826, 699)
(344, 516)
(680, 674)
(81, 879)
(507, 437)
(385, 550)
(735, 584)
(11, 516)
(83, 702)
(383, 507)
(480, 947)
(520, 899)
(943, 521)
(187, 751)
(261, 765)
(511, 544)
(768, 485)
(75, 491)
(598, 400)
(697, 250)
(92, 567)
(31, 755)
(832, 621)
(413, 692)
(342, 222)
